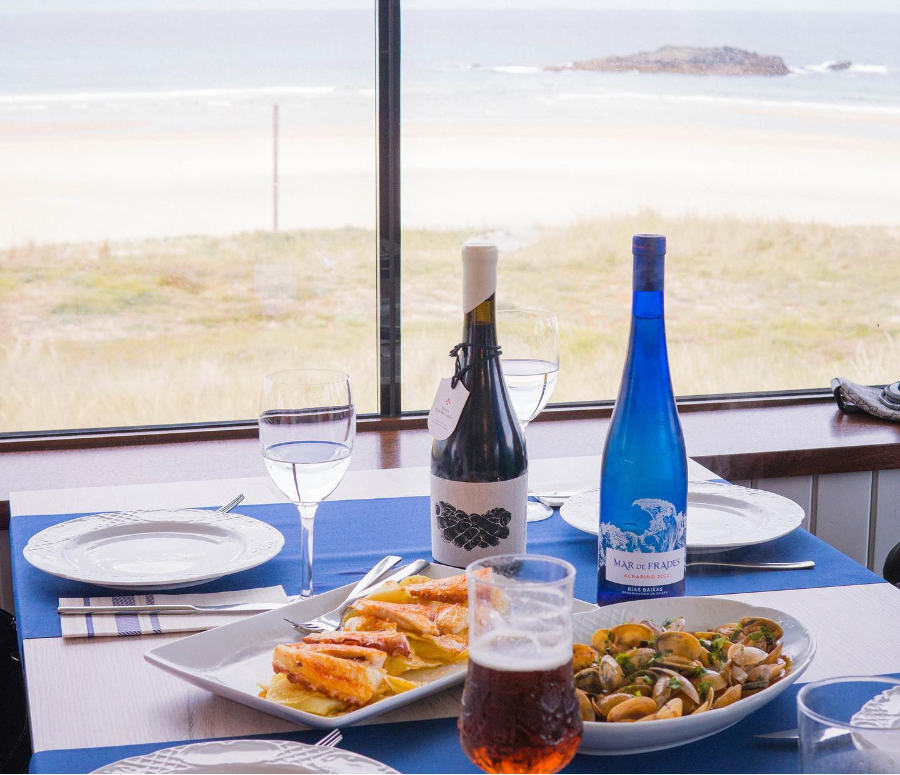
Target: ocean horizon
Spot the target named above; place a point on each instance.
(104, 61)
(132, 125)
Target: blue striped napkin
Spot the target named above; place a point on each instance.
(108, 625)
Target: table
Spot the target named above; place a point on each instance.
(123, 701)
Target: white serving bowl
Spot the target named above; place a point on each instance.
(700, 613)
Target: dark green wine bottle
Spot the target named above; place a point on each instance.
(479, 474)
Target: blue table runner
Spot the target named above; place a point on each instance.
(433, 746)
(351, 536)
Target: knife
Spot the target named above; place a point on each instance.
(832, 738)
(174, 608)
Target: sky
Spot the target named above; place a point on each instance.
(95, 6)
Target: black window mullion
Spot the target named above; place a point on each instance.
(388, 174)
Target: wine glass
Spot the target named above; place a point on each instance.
(530, 363)
(307, 423)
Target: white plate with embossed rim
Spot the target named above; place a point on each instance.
(720, 516)
(152, 550)
(232, 660)
(250, 756)
(700, 613)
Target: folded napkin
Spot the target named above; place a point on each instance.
(103, 625)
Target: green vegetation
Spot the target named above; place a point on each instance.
(183, 329)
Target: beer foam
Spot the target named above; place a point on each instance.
(520, 651)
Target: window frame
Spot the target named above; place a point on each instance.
(388, 291)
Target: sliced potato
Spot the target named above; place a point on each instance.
(282, 691)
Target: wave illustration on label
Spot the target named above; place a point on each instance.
(625, 554)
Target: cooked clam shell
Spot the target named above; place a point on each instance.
(672, 709)
(585, 707)
(746, 656)
(611, 674)
(588, 680)
(731, 695)
(603, 705)
(630, 635)
(632, 709)
(772, 631)
(583, 657)
(600, 640)
(682, 644)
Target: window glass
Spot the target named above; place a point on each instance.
(772, 166)
(143, 276)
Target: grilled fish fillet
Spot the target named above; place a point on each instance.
(451, 618)
(350, 651)
(341, 679)
(368, 623)
(390, 642)
(414, 617)
(449, 590)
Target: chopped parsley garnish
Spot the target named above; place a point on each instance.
(698, 672)
(625, 663)
(756, 635)
(703, 689)
(638, 693)
(674, 683)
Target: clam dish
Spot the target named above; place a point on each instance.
(645, 671)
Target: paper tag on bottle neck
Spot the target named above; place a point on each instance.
(446, 408)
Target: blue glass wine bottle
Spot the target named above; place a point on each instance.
(643, 485)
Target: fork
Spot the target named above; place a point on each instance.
(230, 505)
(328, 622)
(331, 739)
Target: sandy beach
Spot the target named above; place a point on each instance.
(70, 182)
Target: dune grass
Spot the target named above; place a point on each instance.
(183, 329)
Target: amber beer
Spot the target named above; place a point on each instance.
(520, 720)
(519, 711)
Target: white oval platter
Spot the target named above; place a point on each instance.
(720, 516)
(700, 613)
(249, 756)
(152, 550)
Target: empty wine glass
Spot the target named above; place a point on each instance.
(307, 424)
(530, 363)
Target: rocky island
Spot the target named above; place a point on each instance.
(685, 60)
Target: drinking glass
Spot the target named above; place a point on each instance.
(850, 724)
(530, 362)
(307, 424)
(519, 711)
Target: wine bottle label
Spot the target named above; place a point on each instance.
(645, 569)
(473, 520)
(446, 408)
(653, 558)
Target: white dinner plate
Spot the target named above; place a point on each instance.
(150, 550)
(233, 659)
(720, 516)
(251, 756)
(700, 613)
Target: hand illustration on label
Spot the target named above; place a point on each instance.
(469, 531)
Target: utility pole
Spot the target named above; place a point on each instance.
(275, 167)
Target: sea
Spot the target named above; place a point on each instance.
(458, 65)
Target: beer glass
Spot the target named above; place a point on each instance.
(519, 712)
